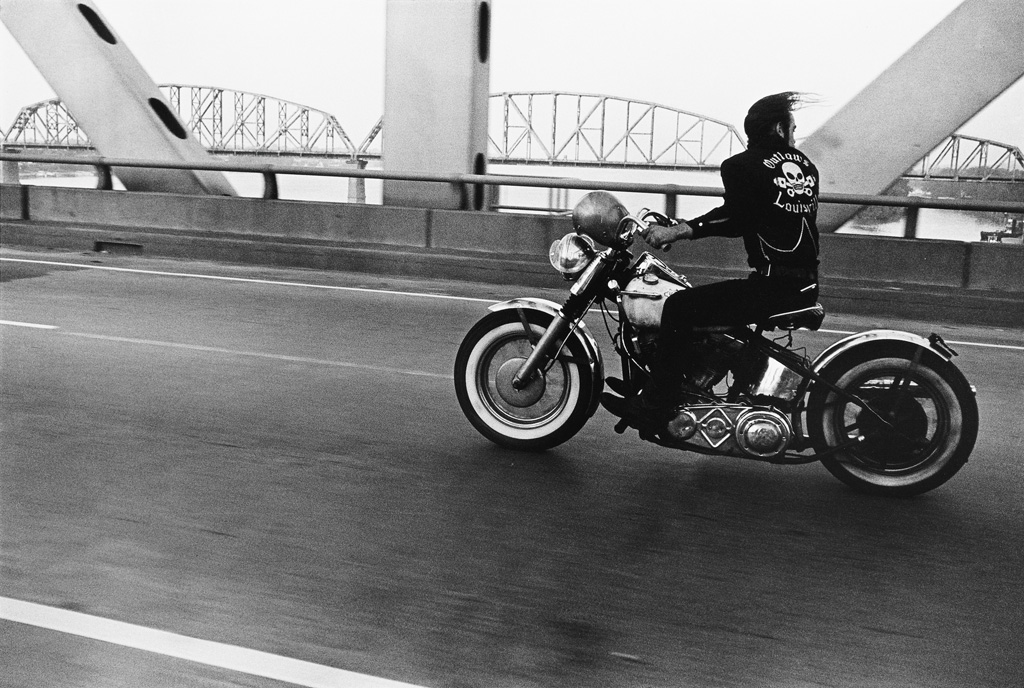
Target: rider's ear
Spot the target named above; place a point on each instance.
(778, 130)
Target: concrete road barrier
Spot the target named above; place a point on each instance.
(946, 280)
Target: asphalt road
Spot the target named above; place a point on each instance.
(284, 468)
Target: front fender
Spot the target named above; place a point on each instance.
(877, 338)
(581, 333)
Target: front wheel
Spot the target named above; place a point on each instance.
(929, 428)
(549, 410)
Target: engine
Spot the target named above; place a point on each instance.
(711, 359)
(759, 432)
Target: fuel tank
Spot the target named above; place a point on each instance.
(643, 300)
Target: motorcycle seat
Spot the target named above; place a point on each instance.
(809, 318)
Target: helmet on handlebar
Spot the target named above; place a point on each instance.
(598, 215)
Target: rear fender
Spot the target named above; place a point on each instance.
(863, 342)
(874, 344)
(581, 333)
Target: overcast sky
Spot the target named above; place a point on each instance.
(712, 57)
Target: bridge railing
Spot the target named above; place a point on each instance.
(472, 183)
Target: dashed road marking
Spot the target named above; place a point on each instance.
(254, 354)
(207, 652)
(35, 326)
(250, 280)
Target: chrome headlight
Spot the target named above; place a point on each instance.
(571, 254)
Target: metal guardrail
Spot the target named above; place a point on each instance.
(670, 192)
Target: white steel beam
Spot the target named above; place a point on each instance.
(109, 93)
(957, 69)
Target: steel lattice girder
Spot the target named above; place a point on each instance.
(605, 131)
(968, 157)
(527, 128)
(300, 130)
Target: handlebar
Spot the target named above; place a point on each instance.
(641, 223)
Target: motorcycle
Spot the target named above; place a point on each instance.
(886, 412)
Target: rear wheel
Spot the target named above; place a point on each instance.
(549, 410)
(917, 432)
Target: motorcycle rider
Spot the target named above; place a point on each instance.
(771, 201)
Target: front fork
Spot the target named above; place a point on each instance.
(581, 297)
(547, 348)
(551, 341)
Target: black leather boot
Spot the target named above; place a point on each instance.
(647, 406)
(620, 386)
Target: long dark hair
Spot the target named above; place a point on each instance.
(763, 115)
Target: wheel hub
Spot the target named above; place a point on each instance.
(529, 395)
(894, 445)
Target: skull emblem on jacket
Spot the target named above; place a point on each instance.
(794, 181)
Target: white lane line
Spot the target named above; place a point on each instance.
(366, 290)
(988, 346)
(251, 280)
(1011, 347)
(233, 352)
(35, 326)
(254, 354)
(231, 657)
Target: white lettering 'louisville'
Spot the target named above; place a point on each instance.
(802, 208)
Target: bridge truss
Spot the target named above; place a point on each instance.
(605, 131)
(46, 124)
(551, 128)
(527, 129)
(227, 121)
(969, 158)
(222, 120)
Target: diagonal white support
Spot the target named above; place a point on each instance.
(109, 93)
(951, 74)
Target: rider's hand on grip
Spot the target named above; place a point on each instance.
(661, 235)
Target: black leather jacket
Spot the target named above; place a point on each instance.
(771, 200)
